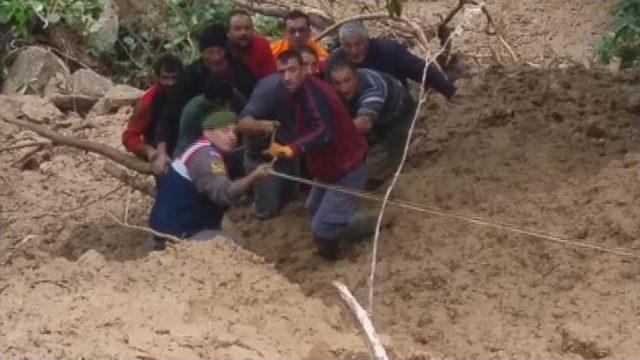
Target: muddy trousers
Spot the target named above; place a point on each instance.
(331, 210)
(383, 157)
(273, 193)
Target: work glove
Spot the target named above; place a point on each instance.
(277, 150)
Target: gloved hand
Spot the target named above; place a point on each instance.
(277, 150)
(262, 171)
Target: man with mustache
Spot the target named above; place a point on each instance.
(252, 48)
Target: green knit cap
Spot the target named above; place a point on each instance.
(219, 119)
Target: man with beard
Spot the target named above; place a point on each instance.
(252, 48)
(139, 136)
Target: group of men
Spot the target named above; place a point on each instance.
(248, 110)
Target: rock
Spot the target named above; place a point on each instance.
(595, 132)
(32, 107)
(91, 260)
(88, 82)
(319, 351)
(32, 69)
(99, 108)
(104, 31)
(578, 339)
(77, 102)
(633, 103)
(58, 84)
(121, 95)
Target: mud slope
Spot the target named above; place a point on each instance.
(200, 301)
(554, 150)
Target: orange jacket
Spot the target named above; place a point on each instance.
(282, 45)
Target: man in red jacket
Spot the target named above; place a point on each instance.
(250, 47)
(139, 136)
(322, 130)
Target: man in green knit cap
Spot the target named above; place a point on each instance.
(196, 191)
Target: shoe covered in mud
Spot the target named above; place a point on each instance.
(158, 244)
(327, 248)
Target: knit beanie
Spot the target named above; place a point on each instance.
(213, 35)
(219, 119)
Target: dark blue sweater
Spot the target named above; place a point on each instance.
(392, 58)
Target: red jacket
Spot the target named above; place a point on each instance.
(259, 58)
(133, 135)
(325, 132)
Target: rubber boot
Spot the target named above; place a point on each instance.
(327, 248)
(359, 226)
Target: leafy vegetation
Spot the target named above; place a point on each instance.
(26, 16)
(622, 42)
(138, 46)
(173, 27)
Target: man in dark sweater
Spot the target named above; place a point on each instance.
(381, 109)
(214, 60)
(386, 56)
(322, 130)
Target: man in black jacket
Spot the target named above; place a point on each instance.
(214, 59)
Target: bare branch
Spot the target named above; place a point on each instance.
(107, 151)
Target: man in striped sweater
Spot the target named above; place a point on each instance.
(381, 108)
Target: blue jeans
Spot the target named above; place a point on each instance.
(331, 210)
(272, 193)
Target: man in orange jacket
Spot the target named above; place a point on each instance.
(297, 33)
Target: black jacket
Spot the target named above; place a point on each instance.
(190, 84)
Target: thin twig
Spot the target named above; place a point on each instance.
(126, 206)
(172, 239)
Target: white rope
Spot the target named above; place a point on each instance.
(470, 218)
(422, 98)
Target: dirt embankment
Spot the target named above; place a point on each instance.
(551, 149)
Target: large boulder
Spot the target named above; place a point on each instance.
(33, 107)
(89, 83)
(73, 102)
(32, 69)
(122, 95)
(117, 97)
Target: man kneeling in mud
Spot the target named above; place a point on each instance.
(196, 191)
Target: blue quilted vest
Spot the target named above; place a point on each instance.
(179, 209)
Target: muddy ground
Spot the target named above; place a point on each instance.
(553, 149)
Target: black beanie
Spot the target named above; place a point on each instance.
(213, 35)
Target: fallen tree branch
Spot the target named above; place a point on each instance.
(334, 27)
(375, 345)
(133, 181)
(317, 18)
(20, 146)
(107, 151)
